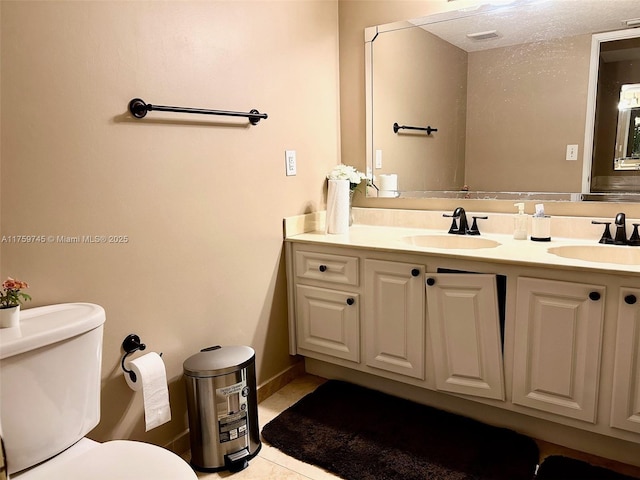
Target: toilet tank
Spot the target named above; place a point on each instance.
(49, 380)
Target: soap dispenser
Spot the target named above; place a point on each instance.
(520, 230)
(540, 225)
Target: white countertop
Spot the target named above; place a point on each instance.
(523, 252)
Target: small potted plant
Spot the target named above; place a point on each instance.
(11, 297)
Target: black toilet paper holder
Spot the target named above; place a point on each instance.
(131, 344)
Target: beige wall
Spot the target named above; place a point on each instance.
(200, 199)
(411, 91)
(526, 104)
(354, 16)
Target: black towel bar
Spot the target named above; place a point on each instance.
(428, 129)
(139, 109)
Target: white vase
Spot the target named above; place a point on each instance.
(338, 206)
(10, 317)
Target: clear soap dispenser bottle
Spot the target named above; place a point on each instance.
(520, 230)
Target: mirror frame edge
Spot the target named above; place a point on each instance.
(370, 34)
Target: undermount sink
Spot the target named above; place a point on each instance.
(599, 253)
(450, 241)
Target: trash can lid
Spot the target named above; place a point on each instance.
(217, 360)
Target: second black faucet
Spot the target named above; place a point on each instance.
(620, 238)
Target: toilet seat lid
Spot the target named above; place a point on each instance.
(118, 459)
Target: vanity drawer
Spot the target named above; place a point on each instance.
(338, 269)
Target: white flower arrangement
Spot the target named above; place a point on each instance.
(347, 172)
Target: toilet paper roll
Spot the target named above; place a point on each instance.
(388, 182)
(338, 206)
(151, 378)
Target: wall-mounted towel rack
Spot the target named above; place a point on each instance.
(139, 109)
(428, 129)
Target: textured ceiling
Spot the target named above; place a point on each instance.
(528, 21)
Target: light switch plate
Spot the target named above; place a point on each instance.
(572, 152)
(290, 162)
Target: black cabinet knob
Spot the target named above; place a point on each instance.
(415, 272)
(431, 281)
(630, 299)
(351, 301)
(595, 296)
(322, 268)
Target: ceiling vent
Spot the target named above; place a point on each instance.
(632, 22)
(483, 35)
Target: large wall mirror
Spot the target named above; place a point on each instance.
(522, 99)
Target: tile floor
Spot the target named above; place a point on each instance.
(271, 464)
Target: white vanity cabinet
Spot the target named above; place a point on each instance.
(625, 408)
(464, 334)
(394, 329)
(372, 311)
(558, 339)
(327, 304)
(550, 349)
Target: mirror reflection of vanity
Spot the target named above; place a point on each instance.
(510, 97)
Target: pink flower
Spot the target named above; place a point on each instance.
(11, 284)
(10, 295)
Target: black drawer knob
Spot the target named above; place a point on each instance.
(431, 281)
(415, 272)
(630, 299)
(322, 268)
(595, 296)
(351, 301)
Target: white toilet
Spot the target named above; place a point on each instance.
(50, 399)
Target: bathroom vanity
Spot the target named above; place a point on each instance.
(486, 326)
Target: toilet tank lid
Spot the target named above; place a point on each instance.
(43, 326)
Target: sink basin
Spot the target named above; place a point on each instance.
(599, 253)
(450, 241)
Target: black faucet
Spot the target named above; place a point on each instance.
(634, 239)
(621, 229)
(460, 215)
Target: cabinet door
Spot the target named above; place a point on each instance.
(625, 408)
(328, 322)
(558, 336)
(464, 333)
(394, 312)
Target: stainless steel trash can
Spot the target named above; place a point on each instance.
(223, 408)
